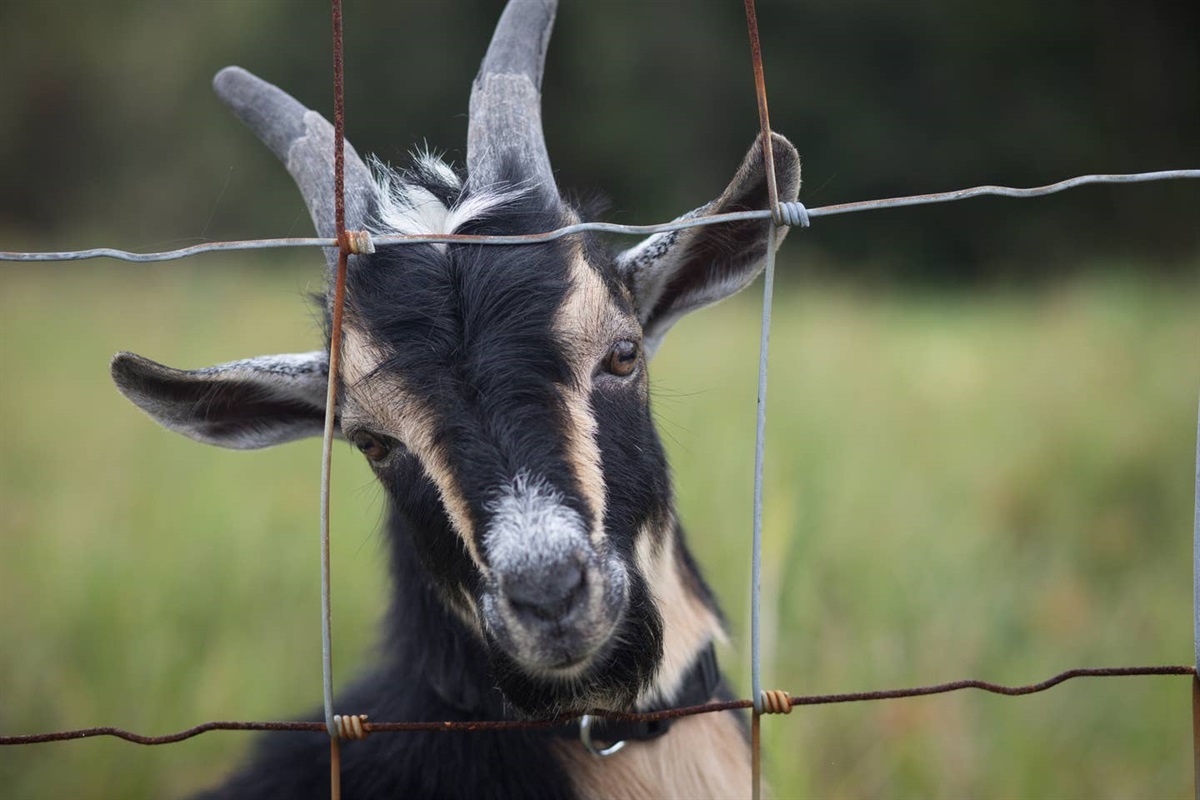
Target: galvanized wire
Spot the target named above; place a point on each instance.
(786, 213)
(778, 216)
(609, 227)
(764, 344)
(1196, 549)
(764, 347)
(793, 212)
(756, 694)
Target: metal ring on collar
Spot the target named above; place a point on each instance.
(585, 736)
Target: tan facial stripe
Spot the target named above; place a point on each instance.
(398, 412)
(688, 623)
(437, 466)
(583, 324)
(583, 453)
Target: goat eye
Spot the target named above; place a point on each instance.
(373, 447)
(622, 359)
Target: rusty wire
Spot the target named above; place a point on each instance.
(332, 726)
(671, 713)
(1196, 731)
(774, 701)
(760, 95)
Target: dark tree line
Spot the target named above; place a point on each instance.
(109, 133)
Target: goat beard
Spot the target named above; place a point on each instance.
(613, 681)
(618, 674)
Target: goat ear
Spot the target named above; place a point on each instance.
(257, 402)
(673, 273)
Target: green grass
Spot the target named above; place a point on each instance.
(980, 485)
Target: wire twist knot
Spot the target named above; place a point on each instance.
(357, 242)
(776, 701)
(793, 213)
(351, 726)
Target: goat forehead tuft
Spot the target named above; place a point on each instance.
(427, 198)
(448, 308)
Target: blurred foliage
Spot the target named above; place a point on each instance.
(993, 484)
(110, 134)
(958, 485)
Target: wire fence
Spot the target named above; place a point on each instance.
(652, 716)
(791, 211)
(779, 213)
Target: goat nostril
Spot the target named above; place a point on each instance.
(547, 594)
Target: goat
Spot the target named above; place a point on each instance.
(500, 394)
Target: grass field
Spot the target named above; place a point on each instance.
(992, 485)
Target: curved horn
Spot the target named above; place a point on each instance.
(505, 129)
(303, 141)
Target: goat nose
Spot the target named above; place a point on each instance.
(545, 593)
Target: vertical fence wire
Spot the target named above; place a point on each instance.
(764, 117)
(760, 91)
(757, 701)
(1196, 619)
(335, 347)
(764, 347)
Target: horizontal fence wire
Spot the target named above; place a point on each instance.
(614, 228)
(787, 212)
(790, 211)
(651, 716)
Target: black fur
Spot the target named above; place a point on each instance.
(469, 329)
(433, 669)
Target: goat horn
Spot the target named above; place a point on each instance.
(504, 135)
(303, 140)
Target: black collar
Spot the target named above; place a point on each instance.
(698, 687)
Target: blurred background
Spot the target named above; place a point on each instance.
(982, 421)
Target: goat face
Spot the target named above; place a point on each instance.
(505, 388)
(499, 392)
